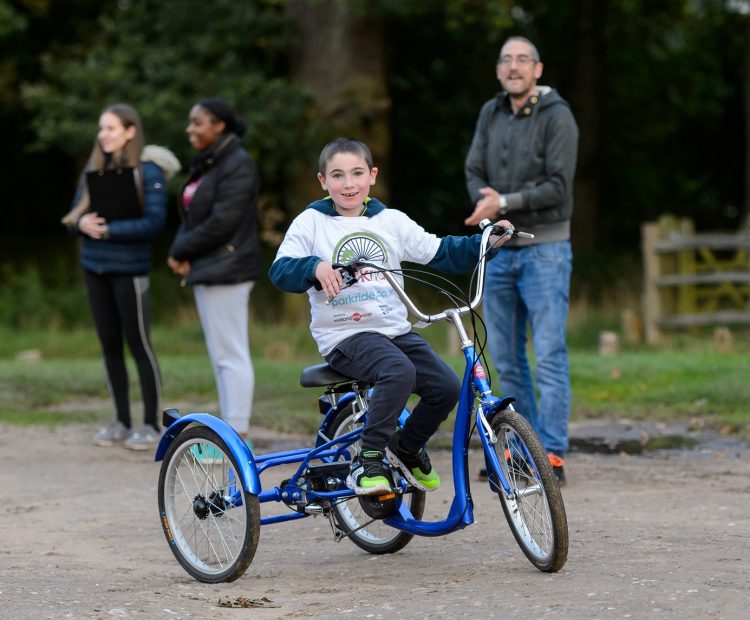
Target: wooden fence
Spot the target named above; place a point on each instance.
(693, 279)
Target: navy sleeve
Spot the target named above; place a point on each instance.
(456, 254)
(294, 275)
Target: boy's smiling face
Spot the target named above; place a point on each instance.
(348, 179)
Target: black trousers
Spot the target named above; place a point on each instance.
(398, 367)
(120, 307)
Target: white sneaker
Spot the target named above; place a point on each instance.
(144, 438)
(110, 435)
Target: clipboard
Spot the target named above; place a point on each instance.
(112, 193)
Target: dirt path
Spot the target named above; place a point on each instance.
(651, 537)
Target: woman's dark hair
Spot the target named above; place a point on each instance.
(221, 110)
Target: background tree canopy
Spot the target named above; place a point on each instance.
(660, 89)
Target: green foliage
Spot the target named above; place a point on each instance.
(668, 125)
(162, 57)
(452, 48)
(672, 116)
(29, 298)
(11, 21)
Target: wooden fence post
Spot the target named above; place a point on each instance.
(651, 271)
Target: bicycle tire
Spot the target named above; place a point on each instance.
(534, 509)
(377, 537)
(213, 539)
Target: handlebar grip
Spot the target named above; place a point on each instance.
(501, 230)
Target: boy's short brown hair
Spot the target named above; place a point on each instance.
(343, 145)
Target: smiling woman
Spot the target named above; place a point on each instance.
(119, 208)
(217, 249)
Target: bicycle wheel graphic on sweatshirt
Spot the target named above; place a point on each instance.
(360, 246)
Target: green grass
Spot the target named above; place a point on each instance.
(664, 385)
(686, 380)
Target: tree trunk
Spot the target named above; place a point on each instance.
(338, 56)
(586, 107)
(745, 221)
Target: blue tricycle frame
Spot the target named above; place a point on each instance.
(199, 522)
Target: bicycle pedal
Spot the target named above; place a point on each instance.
(379, 506)
(314, 509)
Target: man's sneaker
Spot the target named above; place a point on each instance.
(145, 438)
(368, 474)
(416, 468)
(558, 468)
(110, 435)
(517, 465)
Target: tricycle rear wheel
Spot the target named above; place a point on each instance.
(375, 537)
(211, 523)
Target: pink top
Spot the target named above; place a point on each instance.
(189, 192)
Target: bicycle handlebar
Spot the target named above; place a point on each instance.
(349, 271)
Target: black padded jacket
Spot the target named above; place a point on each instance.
(219, 229)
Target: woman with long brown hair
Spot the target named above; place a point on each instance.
(120, 205)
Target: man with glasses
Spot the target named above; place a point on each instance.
(521, 163)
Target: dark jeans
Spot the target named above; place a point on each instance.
(120, 306)
(397, 368)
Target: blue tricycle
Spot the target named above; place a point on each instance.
(210, 488)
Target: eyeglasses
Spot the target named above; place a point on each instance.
(521, 61)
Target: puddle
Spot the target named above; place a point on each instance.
(611, 445)
(607, 436)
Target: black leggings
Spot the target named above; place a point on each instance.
(120, 305)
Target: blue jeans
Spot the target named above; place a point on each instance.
(530, 286)
(398, 367)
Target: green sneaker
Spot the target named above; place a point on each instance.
(368, 474)
(416, 468)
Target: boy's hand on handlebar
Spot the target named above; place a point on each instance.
(329, 278)
(497, 240)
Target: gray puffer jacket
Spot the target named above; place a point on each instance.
(530, 157)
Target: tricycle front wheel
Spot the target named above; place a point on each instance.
(534, 506)
(211, 523)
